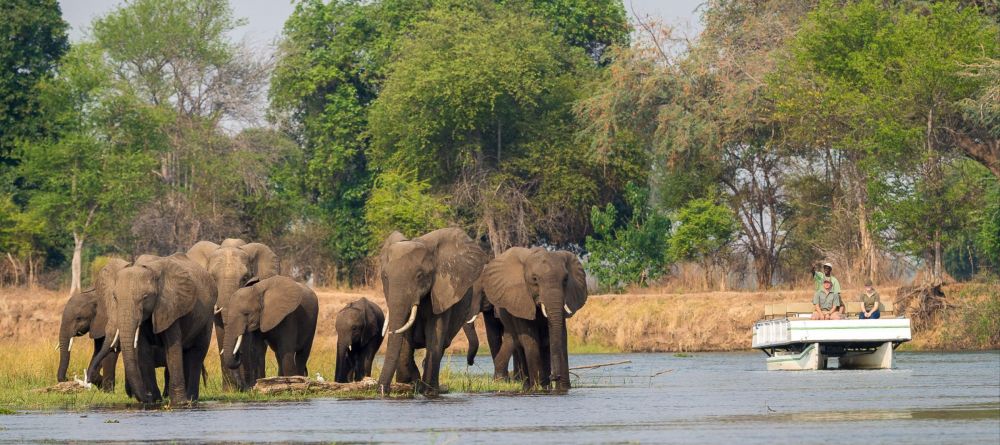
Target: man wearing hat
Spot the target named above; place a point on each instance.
(827, 303)
(826, 274)
(871, 301)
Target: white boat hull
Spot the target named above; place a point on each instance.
(798, 345)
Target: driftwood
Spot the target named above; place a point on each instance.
(64, 387)
(271, 385)
(601, 365)
(920, 303)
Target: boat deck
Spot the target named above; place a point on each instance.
(803, 344)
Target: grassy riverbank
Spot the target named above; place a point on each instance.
(24, 369)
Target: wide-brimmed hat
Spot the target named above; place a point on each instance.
(828, 265)
(868, 283)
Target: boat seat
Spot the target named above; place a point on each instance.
(804, 310)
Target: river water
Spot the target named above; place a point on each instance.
(727, 398)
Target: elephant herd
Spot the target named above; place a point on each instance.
(161, 312)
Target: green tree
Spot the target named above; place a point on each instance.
(884, 86)
(401, 202)
(630, 247)
(32, 39)
(703, 233)
(92, 172)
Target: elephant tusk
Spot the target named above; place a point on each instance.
(566, 307)
(112, 345)
(135, 341)
(385, 327)
(473, 319)
(413, 317)
(217, 310)
(239, 340)
(85, 378)
(70, 347)
(544, 314)
(348, 348)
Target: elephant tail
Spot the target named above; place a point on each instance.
(470, 333)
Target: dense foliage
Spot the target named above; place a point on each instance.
(862, 132)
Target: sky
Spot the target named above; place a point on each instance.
(265, 18)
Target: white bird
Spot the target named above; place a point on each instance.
(84, 383)
(319, 378)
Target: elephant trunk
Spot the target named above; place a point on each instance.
(134, 375)
(344, 363)
(64, 341)
(470, 333)
(399, 318)
(559, 357)
(231, 346)
(94, 367)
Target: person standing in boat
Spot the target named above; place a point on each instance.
(825, 272)
(870, 299)
(827, 303)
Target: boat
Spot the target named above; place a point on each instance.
(795, 342)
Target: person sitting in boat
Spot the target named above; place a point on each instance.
(870, 300)
(827, 303)
(825, 272)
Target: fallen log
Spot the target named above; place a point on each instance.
(64, 387)
(271, 385)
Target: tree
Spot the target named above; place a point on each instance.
(401, 202)
(884, 85)
(629, 247)
(92, 172)
(176, 55)
(32, 39)
(704, 231)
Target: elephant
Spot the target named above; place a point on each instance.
(501, 351)
(278, 311)
(427, 283)
(535, 290)
(86, 312)
(233, 264)
(161, 308)
(359, 335)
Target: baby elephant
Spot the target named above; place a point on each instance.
(359, 335)
(277, 310)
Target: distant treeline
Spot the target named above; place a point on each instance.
(866, 133)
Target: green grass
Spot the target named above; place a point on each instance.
(26, 369)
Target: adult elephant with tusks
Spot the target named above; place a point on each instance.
(535, 291)
(278, 311)
(86, 312)
(427, 283)
(163, 306)
(232, 265)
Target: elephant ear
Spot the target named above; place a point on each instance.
(178, 292)
(459, 261)
(264, 262)
(201, 251)
(576, 285)
(503, 282)
(278, 299)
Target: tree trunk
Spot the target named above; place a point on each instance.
(75, 267)
(936, 280)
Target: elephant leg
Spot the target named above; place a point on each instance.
(367, 359)
(407, 371)
(502, 355)
(432, 367)
(147, 369)
(109, 367)
(287, 363)
(533, 354)
(302, 356)
(358, 364)
(174, 350)
(194, 361)
(520, 364)
(546, 359)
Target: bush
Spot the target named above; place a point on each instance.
(628, 251)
